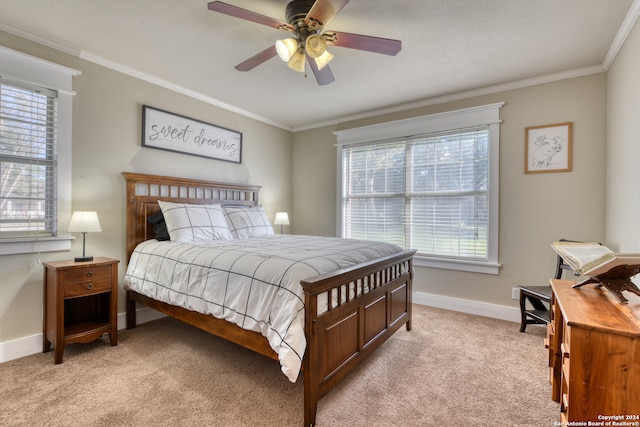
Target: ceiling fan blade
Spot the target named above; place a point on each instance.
(323, 11)
(238, 12)
(257, 59)
(360, 42)
(323, 76)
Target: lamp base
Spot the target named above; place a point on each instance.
(83, 259)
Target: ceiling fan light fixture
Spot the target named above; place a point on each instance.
(286, 48)
(315, 45)
(323, 59)
(297, 61)
(306, 19)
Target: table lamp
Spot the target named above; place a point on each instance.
(84, 222)
(282, 219)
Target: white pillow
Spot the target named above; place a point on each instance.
(194, 223)
(248, 222)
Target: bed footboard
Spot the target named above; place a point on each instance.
(366, 305)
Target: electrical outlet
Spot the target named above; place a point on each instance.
(515, 293)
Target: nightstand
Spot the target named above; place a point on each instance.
(80, 303)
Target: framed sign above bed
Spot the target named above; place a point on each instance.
(173, 132)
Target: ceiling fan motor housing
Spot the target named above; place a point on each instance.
(296, 12)
(298, 9)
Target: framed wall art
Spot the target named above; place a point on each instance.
(548, 148)
(172, 132)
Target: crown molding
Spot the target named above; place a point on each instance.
(623, 33)
(550, 78)
(87, 56)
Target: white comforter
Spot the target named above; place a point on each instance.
(254, 283)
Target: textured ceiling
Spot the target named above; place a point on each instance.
(449, 47)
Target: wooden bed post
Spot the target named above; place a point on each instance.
(410, 293)
(131, 312)
(310, 361)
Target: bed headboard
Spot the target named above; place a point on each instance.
(143, 192)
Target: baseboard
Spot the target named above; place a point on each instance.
(479, 308)
(26, 346)
(20, 347)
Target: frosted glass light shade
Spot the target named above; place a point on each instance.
(297, 61)
(286, 48)
(323, 59)
(315, 45)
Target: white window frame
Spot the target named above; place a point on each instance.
(486, 115)
(35, 71)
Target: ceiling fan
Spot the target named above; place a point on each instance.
(306, 20)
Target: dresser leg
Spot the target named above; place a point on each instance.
(58, 350)
(113, 338)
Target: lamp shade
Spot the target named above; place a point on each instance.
(282, 218)
(84, 222)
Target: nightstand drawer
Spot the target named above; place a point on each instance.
(94, 273)
(86, 287)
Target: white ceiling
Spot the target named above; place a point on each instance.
(450, 48)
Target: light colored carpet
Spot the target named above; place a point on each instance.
(452, 369)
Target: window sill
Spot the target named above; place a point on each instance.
(460, 265)
(29, 245)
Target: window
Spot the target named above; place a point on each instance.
(428, 183)
(35, 153)
(28, 160)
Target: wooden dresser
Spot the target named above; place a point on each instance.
(594, 355)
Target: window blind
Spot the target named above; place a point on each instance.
(28, 160)
(428, 192)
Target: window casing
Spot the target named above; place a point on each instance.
(429, 183)
(35, 153)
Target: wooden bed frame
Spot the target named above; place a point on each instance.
(337, 340)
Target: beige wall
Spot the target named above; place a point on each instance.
(534, 209)
(623, 148)
(106, 142)
(314, 182)
(298, 174)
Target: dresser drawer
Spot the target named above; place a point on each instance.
(86, 281)
(86, 287)
(95, 273)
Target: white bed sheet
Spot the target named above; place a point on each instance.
(253, 283)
